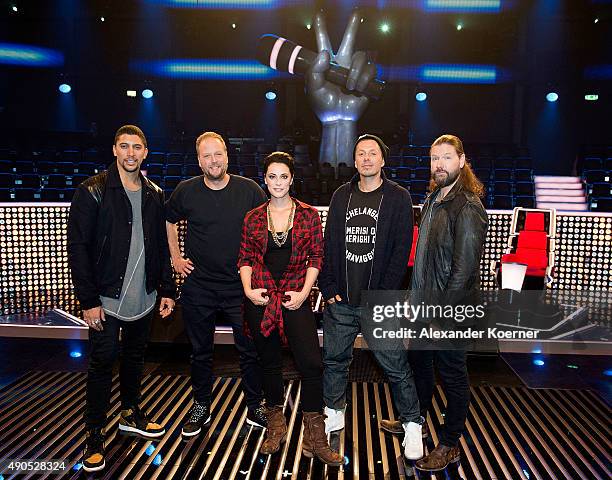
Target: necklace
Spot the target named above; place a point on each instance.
(280, 237)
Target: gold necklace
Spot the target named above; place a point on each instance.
(280, 237)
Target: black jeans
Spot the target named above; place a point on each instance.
(200, 308)
(303, 341)
(104, 349)
(453, 372)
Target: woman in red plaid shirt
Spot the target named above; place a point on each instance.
(280, 258)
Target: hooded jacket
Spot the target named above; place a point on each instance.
(393, 240)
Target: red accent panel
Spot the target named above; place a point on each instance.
(534, 221)
(415, 238)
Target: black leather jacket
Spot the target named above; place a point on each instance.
(99, 235)
(451, 238)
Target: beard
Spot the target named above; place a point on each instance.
(218, 176)
(445, 180)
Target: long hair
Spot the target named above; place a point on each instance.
(467, 177)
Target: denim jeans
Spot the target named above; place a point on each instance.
(200, 308)
(104, 348)
(341, 324)
(452, 368)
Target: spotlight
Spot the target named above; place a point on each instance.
(147, 93)
(385, 27)
(131, 93)
(595, 21)
(234, 26)
(101, 19)
(15, 9)
(421, 96)
(361, 20)
(538, 362)
(591, 97)
(552, 97)
(65, 88)
(573, 367)
(271, 95)
(459, 26)
(536, 350)
(308, 26)
(75, 354)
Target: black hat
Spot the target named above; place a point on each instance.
(383, 148)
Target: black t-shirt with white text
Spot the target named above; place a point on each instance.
(360, 238)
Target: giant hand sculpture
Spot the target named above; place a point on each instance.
(337, 108)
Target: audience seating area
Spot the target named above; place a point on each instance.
(596, 169)
(27, 176)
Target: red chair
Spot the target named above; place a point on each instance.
(531, 242)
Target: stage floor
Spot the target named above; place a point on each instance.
(512, 433)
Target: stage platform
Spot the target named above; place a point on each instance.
(512, 433)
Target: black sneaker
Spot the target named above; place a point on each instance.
(198, 415)
(256, 417)
(134, 421)
(93, 457)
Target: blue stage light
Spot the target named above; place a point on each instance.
(225, 4)
(538, 362)
(270, 95)
(76, 354)
(77, 466)
(458, 74)
(421, 96)
(445, 73)
(608, 373)
(29, 56)
(147, 93)
(157, 461)
(150, 449)
(65, 88)
(208, 69)
(598, 72)
(552, 97)
(536, 350)
(472, 6)
(346, 460)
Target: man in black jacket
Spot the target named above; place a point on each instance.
(368, 235)
(120, 262)
(447, 271)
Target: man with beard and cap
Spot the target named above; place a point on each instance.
(368, 236)
(214, 205)
(447, 268)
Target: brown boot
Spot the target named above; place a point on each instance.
(395, 427)
(439, 458)
(276, 432)
(315, 441)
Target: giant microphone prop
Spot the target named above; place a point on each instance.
(286, 56)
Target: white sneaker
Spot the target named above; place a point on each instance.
(413, 441)
(334, 419)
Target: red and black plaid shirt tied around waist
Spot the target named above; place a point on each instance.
(306, 251)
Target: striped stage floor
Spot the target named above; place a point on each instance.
(512, 433)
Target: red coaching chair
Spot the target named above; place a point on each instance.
(532, 242)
